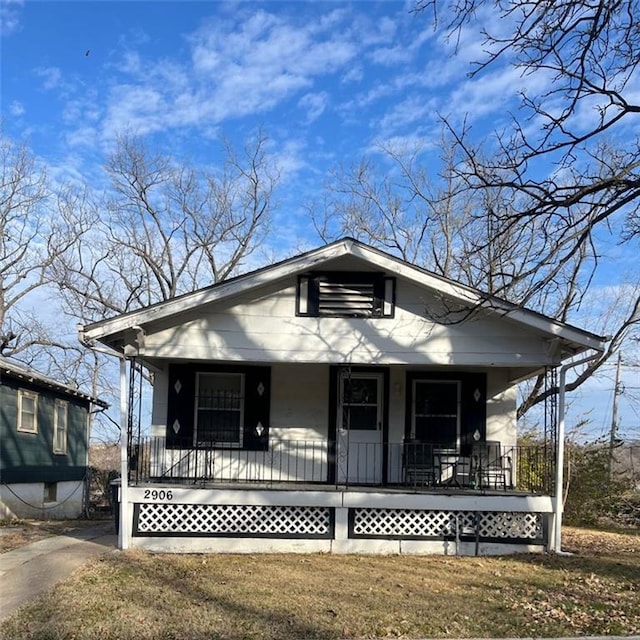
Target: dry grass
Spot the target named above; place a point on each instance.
(17, 533)
(138, 595)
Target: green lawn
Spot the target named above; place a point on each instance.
(138, 595)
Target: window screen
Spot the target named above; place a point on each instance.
(219, 408)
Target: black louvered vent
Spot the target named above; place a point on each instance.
(346, 295)
(340, 299)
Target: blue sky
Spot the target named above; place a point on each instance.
(327, 81)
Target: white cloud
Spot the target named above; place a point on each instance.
(237, 69)
(484, 95)
(16, 109)
(314, 104)
(10, 22)
(51, 76)
(412, 111)
(354, 74)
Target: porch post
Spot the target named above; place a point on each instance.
(123, 531)
(558, 505)
(557, 499)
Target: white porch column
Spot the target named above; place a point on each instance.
(123, 532)
(340, 541)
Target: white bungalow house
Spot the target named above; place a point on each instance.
(339, 401)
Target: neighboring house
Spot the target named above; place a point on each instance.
(44, 439)
(342, 400)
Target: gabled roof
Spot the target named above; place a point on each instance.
(20, 372)
(576, 340)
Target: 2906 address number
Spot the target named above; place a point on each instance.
(158, 494)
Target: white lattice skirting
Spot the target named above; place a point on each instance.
(313, 522)
(423, 524)
(233, 520)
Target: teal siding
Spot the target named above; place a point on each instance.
(29, 457)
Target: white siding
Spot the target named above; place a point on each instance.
(300, 401)
(266, 329)
(300, 407)
(501, 408)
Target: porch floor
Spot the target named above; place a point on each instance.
(439, 490)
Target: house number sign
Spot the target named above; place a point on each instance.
(158, 494)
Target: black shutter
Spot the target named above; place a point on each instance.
(181, 405)
(474, 409)
(378, 295)
(257, 407)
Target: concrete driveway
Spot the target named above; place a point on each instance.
(35, 568)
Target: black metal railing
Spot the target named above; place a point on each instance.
(419, 466)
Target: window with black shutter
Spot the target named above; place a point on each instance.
(224, 406)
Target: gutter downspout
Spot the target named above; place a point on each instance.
(558, 506)
(123, 529)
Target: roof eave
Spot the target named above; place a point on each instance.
(111, 332)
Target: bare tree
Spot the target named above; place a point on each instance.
(162, 230)
(578, 173)
(456, 231)
(31, 240)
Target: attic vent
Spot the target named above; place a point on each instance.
(339, 299)
(346, 295)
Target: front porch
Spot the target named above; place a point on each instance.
(288, 499)
(409, 466)
(252, 519)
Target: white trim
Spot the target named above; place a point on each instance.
(32, 395)
(60, 404)
(19, 372)
(340, 501)
(558, 499)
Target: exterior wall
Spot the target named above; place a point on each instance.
(265, 328)
(29, 457)
(26, 500)
(328, 521)
(501, 407)
(300, 401)
(300, 427)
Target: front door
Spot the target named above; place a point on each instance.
(359, 428)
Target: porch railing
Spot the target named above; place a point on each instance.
(419, 466)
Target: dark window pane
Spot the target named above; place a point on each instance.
(218, 426)
(436, 398)
(219, 408)
(436, 413)
(361, 391)
(361, 418)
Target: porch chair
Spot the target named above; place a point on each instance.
(419, 466)
(491, 469)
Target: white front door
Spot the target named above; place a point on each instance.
(359, 428)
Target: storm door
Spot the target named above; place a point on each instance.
(359, 448)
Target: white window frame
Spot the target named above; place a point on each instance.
(234, 443)
(59, 433)
(31, 395)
